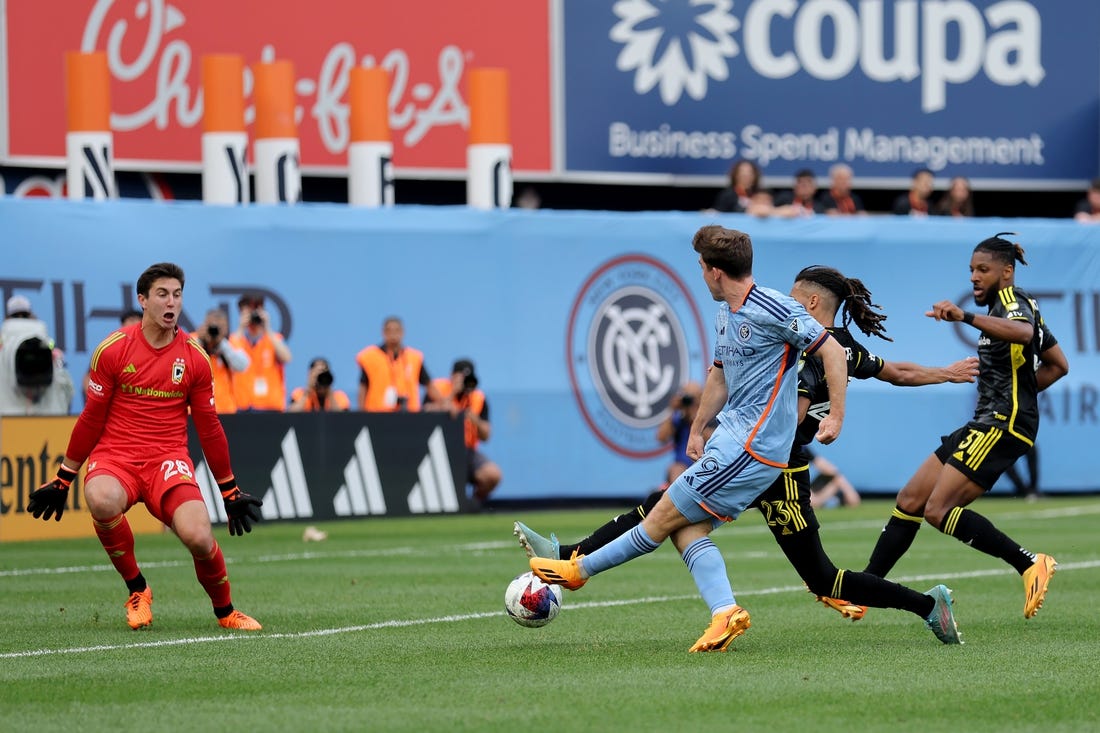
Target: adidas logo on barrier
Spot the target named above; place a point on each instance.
(435, 489)
(362, 495)
(361, 492)
(286, 498)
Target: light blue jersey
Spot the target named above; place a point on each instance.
(758, 347)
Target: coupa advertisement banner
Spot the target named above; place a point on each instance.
(582, 325)
(1003, 91)
(154, 50)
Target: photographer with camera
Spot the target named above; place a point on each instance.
(318, 394)
(460, 395)
(674, 429)
(225, 359)
(263, 385)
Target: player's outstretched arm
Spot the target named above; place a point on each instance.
(908, 374)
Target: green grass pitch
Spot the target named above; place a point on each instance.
(398, 625)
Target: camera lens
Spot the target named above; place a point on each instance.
(213, 331)
(469, 382)
(686, 400)
(256, 319)
(324, 379)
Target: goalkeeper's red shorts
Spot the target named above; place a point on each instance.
(161, 483)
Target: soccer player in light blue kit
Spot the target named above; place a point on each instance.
(752, 390)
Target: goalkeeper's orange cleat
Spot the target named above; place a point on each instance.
(566, 573)
(240, 622)
(139, 608)
(725, 626)
(845, 609)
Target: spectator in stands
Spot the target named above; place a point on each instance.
(33, 377)
(958, 200)
(1088, 208)
(918, 199)
(461, 396)
(318, 394)
(744, 194)
(226, 360)
(801, 200)
(261, 387)
(839, 200)
(391, 373)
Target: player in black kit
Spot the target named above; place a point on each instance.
(1018, 357)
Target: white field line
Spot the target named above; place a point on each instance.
(400, 623)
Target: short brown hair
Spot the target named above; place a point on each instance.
(729, 250)
(156, 272)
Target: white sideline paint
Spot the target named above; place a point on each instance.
(401, 623)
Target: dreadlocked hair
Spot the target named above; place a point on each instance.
(1001, 249)
(853, 299)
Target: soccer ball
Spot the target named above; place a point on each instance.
(531, 602)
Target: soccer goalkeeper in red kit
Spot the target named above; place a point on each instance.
(143, 381)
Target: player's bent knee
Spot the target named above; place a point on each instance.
(105, 497)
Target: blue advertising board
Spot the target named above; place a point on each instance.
(582, 324)
(1003, 92)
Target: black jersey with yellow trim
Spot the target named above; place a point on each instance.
(1008, 395)
(862, 364)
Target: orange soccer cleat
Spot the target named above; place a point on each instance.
(239, 621)
(139, 608)
(725, 626)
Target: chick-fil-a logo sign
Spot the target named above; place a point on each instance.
(154, 50)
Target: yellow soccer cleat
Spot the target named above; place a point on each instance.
(1036, 580)
(139, 608)
(566, 573)
(240, 622)
(724, 627)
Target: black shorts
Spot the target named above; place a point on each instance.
(981, 452)
(786, 503)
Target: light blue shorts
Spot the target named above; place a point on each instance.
(721, 484)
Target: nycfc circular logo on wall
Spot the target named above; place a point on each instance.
(634, 337)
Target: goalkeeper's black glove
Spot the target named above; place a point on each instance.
(240, 507)
(50, 498)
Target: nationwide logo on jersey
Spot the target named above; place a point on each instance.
(634, 337)
(177, 371)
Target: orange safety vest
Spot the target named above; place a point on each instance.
(473, 401)
(224, 401)
(337, 397)
(263, 385)
(389, 378)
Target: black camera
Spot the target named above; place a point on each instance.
(324, 379)
(213, 331)
(256, 319)
(469, 383)
(687, 400)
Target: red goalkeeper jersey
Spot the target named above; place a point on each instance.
(138, 399)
